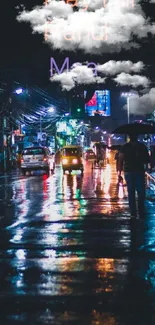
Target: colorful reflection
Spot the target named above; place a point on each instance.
(120, 191)
(45, 188)
(105, 267)
(107, 181)
(99, 318)
(22, 201)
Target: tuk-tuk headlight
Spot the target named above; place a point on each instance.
(64, 161)
(74, 161)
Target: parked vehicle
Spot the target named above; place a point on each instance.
(37, 158)
(71, 158)
(89, 155)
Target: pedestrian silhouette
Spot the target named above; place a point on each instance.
(133, 159)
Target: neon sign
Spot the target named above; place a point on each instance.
(65, 66)
(91, 33)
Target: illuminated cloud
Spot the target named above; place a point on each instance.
(125, 79)
(144, 104)
(78, 75)
(82, 74)
(96, 27)
(113, 67)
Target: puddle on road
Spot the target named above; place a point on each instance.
(68, 249)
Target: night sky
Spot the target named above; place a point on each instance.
(26, 58)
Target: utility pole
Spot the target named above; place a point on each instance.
(69, 104)
(6, 125)
(4, 144)
(40, 125)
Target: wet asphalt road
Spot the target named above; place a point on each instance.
(69, 253)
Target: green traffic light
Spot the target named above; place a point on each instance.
(78, 110)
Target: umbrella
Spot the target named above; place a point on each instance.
(135, 128)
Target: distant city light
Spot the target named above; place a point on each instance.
(19, 91)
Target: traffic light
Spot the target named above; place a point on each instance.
(79, 110)
(77, 107)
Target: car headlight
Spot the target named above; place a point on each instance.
(74, 161)
(64, 161)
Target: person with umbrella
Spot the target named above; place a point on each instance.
(133, 159)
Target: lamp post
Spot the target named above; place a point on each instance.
(128, 95)
(128, 109)
(7, 127)
(19, 91)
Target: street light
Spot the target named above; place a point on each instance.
(19, 91)
(128, 95)
(8, 124)
(51, 110)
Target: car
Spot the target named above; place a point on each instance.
(37, 158)
(89, 155)
(71, 158)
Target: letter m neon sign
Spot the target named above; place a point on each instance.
(54, 67)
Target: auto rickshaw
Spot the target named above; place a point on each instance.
(71, 158)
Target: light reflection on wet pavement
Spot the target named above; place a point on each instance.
(68, 255)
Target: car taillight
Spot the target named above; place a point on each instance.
(22, 160)
(74, 161)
